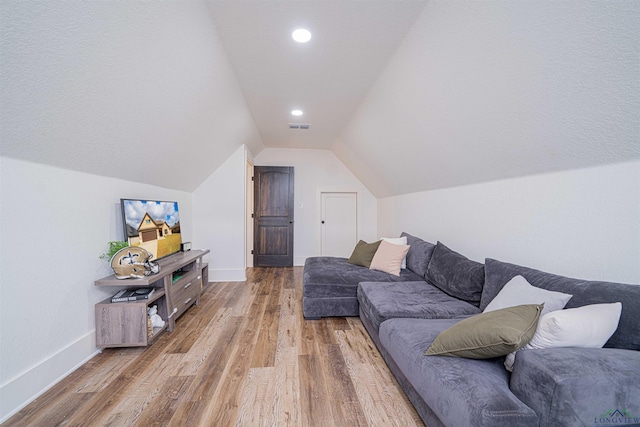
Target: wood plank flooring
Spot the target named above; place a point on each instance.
(244, 357)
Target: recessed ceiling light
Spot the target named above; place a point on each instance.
(301, 35)
(296, 112)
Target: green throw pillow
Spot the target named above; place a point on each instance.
(363, 253)
(492, 334)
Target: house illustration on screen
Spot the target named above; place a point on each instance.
(150, 229)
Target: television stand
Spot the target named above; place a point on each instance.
(178, 287)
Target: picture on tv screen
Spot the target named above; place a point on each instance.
(153, 225)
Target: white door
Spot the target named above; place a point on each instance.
(339, 224)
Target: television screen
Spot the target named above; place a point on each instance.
(153, 225)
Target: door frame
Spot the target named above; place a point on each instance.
(249, 215)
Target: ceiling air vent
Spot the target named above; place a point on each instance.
(303, 126)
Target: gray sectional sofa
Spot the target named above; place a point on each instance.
(439, 288)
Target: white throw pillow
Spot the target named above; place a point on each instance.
(518, 291)
(398, 241)
(589, 326)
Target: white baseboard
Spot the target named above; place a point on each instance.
(228, 275)
(299, 261)
(21, 390)
(240, 274)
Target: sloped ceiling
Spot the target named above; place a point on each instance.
(141, 91)
(483, 91)
(410, 95)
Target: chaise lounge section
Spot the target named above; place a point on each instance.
(330, 286)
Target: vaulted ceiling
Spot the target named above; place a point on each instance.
(327, 77)
(410, 95)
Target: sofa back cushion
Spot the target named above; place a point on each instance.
(584, 292)
(419, 254)
(455, 274)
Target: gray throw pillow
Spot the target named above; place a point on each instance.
(363, 253)
(493, 334)
(456, 274)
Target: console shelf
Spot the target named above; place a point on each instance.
(178, 287)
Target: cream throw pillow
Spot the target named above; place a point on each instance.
(398, 241)
(388, 257)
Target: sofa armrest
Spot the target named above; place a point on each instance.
(578, 386)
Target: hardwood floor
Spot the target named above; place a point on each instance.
(244, 357)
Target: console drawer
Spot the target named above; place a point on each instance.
(185, 291)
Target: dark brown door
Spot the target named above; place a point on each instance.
(273, 216)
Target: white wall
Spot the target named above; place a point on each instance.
(583, 223)
(54, 225)
(319, 171)
(219, 218)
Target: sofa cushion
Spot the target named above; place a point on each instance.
(456, 274)
(389, 258)
(363, 253)
(383, 301)
(419, 254)
(335, 277)
(487, 335)
(584, 292)
(461, 392)
(578, 386)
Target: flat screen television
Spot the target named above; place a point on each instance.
(153, 225)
